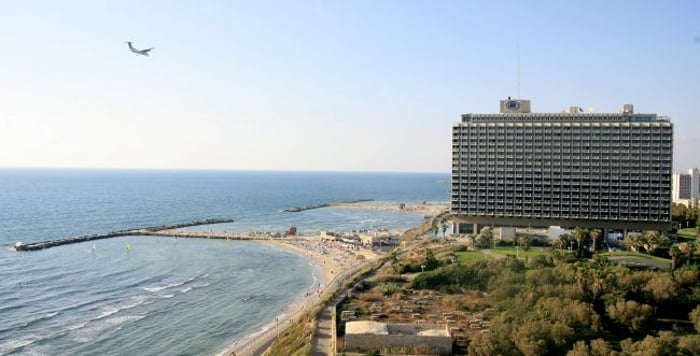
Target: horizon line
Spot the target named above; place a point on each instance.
(217, 169)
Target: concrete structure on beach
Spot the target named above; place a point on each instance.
(569, 169)
(369, 335)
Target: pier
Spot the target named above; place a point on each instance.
(153, 230)
(323, 205)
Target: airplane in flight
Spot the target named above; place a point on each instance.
(143, 52)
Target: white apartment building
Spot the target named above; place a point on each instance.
(686, 188)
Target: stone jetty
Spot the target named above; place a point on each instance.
(153, 230)
(323, 205)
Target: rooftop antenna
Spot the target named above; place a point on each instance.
(517, 55)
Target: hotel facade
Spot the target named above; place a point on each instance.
(570, 169)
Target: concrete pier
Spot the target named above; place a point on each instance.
(153, 230)
(323, 205)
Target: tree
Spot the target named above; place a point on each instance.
(580, 236)
(674, 252)
(690, 344)
(430, 262)
(600, 347)
(630, 314)
(580, 349)
(695, 318)
(662, 287)
(685, 249)
(443, 226)
(485, 238)
(524, 241)
(679, 212)
(562, 241)
(633, 242)
(652, 240)
(691, 217)
(594, 235)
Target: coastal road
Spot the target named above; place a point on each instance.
(323, 338)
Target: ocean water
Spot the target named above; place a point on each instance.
(165, 295)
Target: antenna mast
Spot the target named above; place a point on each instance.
(517, 55)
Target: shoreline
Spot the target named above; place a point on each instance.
(330, 259)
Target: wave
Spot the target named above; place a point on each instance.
(155, 289)
(185, 290)
(160, 288)
(113, 309)
(166, 296)
(97, 327)
(41, 318)
(17, 344)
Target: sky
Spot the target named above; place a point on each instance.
(360, 85)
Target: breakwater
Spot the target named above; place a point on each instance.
(126, 232)
(323, 205)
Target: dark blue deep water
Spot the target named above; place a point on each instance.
(164, 295)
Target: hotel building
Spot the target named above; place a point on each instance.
(569, 169)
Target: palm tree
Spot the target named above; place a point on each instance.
(633, 242)
(443, 226)
(562, 241)
(524, 242)
(674, 251)
(594, 234)
(686, 249)
(580, 236)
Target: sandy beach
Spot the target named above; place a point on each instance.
(332, 258)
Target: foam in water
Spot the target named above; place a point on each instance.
(17, 344)
(160, 288)
(97, 327)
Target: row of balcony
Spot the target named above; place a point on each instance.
(530, 215)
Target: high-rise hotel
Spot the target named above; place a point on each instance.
(569, 169)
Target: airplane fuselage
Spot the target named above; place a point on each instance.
(143, 52)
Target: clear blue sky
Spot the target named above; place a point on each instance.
(323, 85)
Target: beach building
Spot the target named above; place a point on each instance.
(365, 336)
(378, 238)
(568, 169)
(686, 188)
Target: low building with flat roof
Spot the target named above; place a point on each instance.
(365, 336)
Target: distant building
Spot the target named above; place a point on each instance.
(569, 169)
(686, 188)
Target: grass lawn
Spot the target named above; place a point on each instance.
(635, 254)
(533, 251)
(466, 256)
(687, 234)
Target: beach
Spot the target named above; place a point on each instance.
(333, 259)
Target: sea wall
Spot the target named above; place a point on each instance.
(19, 246)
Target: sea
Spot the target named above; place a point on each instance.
(146, 295)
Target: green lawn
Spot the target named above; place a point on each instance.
(533, 251)
(466, 256)
(687, 234)
(635, 254)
